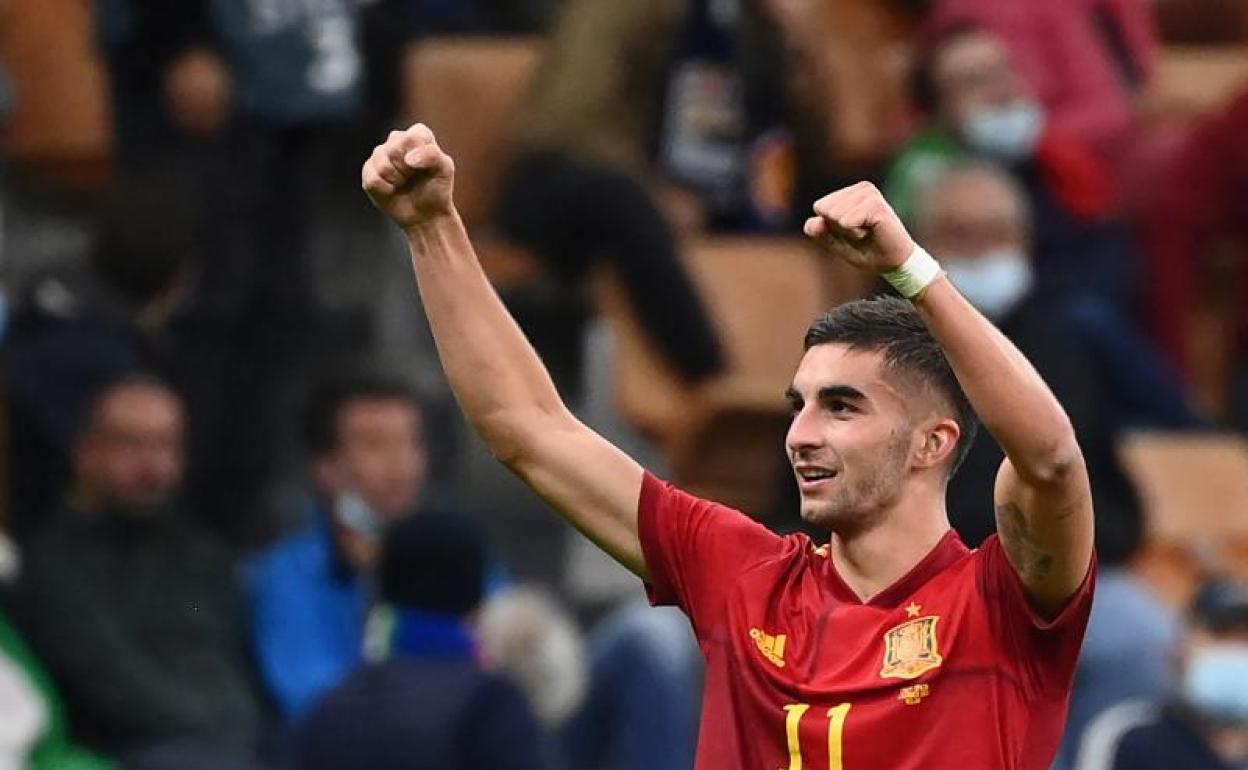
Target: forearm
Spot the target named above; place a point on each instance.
(497, 377)
(1013, 402)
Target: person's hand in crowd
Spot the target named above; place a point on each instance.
(857, 225)
(410, 178)
(198, 92)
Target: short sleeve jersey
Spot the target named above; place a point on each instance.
(949, 668)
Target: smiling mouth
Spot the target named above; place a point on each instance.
(812, 478)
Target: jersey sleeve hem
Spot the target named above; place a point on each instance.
(659, 588)
(1070, 612)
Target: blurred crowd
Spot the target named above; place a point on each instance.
(243, 526)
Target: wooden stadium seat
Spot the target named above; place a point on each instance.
(468, 90)
(723, 440)
(1194, 488)
(62, 126)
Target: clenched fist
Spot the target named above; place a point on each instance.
(410, 178)
(856, 224)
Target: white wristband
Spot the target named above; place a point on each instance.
(914, 275)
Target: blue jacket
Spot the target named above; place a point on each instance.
(308, 615)
(308, 612)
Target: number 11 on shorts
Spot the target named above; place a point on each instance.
(836, 729)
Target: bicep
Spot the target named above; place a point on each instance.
(1046, 532)
(591, 482)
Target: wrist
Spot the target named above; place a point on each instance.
(915, 274)
(432, 224)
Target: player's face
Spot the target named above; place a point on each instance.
(850, 439)
(380, 454)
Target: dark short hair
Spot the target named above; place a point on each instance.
(893, 327)
(924, 92)
(435, 562)
(149, 230)
(109, 385)
(328, 397)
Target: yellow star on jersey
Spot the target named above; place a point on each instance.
(913, 610)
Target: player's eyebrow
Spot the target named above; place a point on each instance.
(847, 392)
(828, 393)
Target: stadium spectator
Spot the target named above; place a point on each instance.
(135, 611)
(1202, 206)
(34, 734)
(1105, 375)
(978, 106)
(641, 709)
(311, 592)
(245, 95)
(429, 704)
(1085, 60)
(1203, 723)
(73, 330)
(648, 119)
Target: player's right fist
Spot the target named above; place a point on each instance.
(410, 178)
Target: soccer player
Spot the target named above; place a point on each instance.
(890, 647)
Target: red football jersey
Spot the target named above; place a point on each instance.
(949, 668)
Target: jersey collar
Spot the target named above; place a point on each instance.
(947, 550)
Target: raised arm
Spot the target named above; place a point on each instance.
(497, 377)
(1042, 498)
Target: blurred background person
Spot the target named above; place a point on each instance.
(1202, 723)
(74, 329)
(242, 94)
(310, 592)
(430, 703)
(1194, 224)
(1086, 61)
(978, 106)
(135, 610)
(648, 122)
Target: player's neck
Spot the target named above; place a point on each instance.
(872, 559)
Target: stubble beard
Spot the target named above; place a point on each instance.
(861, 503)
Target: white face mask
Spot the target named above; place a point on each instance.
(1215, 683)
(994, 283)
(353, 512)
(1007, 133)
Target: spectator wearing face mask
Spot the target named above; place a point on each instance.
(1203, 723)
(975, 218)
(979, 107)
(1085, 60)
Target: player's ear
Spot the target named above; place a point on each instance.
(937, 441)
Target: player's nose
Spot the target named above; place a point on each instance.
(803, 435)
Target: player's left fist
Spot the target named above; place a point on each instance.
(857, 225)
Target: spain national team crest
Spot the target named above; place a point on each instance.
(911, 648)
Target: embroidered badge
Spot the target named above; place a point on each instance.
(772, 647)
(914, 694)
(911, 648)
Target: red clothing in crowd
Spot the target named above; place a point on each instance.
(1200, 200)
(949, 668)
(1080, 57)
